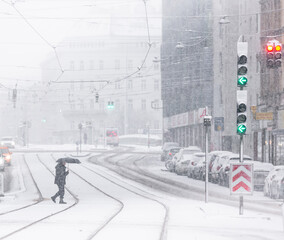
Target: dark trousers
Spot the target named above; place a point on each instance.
(60, 192)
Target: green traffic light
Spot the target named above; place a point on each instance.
(242, 81)
(241, 130)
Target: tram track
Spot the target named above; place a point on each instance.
(38, 201)
(114, 181)
(133, 171)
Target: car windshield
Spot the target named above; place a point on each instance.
(174, 150)
(188, 151)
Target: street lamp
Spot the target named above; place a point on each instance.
(224, 20)
(179, 45)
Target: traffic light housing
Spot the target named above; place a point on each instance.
(242, 64)
(110, 105)
(97, 97)
(273, 54)
(241, 112)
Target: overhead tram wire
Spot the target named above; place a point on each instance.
(145, 58)
(58, 60)
(12, 4)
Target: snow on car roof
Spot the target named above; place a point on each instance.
(192, 148)
(260, 166)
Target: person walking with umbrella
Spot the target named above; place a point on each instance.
(60, 180)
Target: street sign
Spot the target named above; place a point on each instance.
(219, 124)
(253, 108)
(264, 116)
(241, 178)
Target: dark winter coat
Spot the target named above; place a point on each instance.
(60, 174)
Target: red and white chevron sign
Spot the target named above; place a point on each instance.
(241, 178)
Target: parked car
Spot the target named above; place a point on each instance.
(169, 158)
(216, 166)
(166, 147)
(199, 169)
(182, 166)
(260, 172)
(211, 158)
(2, 163)
(5, 152)
(8, 142)
(184, 154)
(196, 158)
(268, 180)
(277, 185)
(225, 164)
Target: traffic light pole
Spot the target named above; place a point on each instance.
(241, 209)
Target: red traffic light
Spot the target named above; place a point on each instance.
(278, 48)
(269, 48)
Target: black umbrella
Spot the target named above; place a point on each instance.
(68, 160)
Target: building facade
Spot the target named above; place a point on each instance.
(99, 71)
(186, 69)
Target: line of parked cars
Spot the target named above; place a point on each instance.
(190, 162)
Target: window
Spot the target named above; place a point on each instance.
(156, 85)
(72, 106)
(102, 104)
(130, 64)
(81, 85)
(72, 85)
(117, 65)
(143, 84)
(143, 104)
(117, 85)
(101, 65)
(117, 104)
(72, 65)
(81, 104)
(82, 65)
(92, 104)
(91, 64)
(130, 104)
(156, 124)
(130, 84)
(156, 66)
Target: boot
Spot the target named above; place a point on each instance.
(62, 202)
(53, 199)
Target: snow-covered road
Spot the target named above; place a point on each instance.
(106, 205)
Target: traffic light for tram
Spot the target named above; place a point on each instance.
(241, 112)
(273, 54)
(110, 105)
(242, 64)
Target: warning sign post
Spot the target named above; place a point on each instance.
(241, 179)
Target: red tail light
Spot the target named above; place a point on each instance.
(170, 154)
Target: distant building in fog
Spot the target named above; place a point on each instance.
(103, 62)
